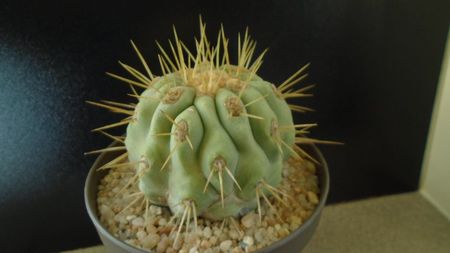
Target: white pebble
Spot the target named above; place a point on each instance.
(155, 210)
(248, 240)
(141, 234)
(207, 232)
(130, 217)
(193, 250)
(121, 219)
(150, 241)
(106, 212)
(225, 246)
(130, 241)
(138, 222)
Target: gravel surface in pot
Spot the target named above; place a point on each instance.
(127, 215)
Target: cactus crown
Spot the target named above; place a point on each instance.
(208, 137)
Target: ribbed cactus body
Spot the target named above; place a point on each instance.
(212, 145)
(207, 137)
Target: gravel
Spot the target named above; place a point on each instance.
(154, 228)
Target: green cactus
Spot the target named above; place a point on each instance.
(208, 138)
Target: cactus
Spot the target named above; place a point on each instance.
(208, 138)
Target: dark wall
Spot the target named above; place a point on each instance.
(376, 64)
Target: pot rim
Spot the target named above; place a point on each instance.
(324, 190)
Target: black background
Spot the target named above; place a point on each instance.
(376, 64)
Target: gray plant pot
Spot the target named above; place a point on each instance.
(293, 243)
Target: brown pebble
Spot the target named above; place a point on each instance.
(150, 229)
(249, 220)
(213, 240)
(162, 245)
(312, 197)
(237, 250)
(205, 244)
(271, 222)
(171, 250)
(165, 230)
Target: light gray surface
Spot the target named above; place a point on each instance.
(396, 223)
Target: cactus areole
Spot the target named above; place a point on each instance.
(208, 137)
